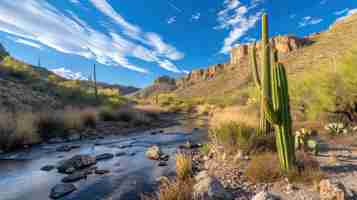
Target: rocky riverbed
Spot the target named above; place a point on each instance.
(114, 166)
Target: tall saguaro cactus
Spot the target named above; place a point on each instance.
(263, 85)
(275, 99)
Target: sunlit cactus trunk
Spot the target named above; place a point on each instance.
(265, 84)
(274, 99)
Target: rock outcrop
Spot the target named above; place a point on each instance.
(239, 58)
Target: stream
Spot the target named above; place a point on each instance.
(131, 175)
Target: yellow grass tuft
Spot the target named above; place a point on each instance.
(183, 166)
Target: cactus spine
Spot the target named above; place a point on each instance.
(263, 85)
(275, 100)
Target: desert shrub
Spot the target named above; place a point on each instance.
(183, 166)
(106, 113)
(263, 168)
(72, 119)
(232, 136)
(307, 171)
(173, 190)
(329, 90)
(26, 131)
(7, 126)
(260, 144)
(89, 117)
(205, 149)
(17, 130)
(50, 124)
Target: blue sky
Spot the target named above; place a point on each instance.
(134, 42)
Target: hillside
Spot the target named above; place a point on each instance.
(318, 50)
(28, 87)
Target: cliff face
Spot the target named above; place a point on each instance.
(239, 58)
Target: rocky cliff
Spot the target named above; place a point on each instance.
(239, 58)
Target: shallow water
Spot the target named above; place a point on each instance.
(130, 176)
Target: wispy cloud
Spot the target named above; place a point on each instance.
(161, 51)
(26, 42)
(40, 22)
(340, 12)
(69, 74)
(238, 18)
(308, 20)
(171, 20)
(196, 16)
(348, 12)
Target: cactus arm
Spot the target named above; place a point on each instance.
(254, 66)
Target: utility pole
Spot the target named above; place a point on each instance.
(39, 61)
(95, 83)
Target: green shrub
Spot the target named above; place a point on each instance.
(232, 136)
(51, 124)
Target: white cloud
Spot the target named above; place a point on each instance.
(171, 20)
(161, 51)
(349, 13)
(27, 42)
(238, 18)
(196, 17)
(40, 22)
(340, 12)
(308, 20)
(69, 74)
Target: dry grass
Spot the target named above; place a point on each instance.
(72, 119)
(173, 190)
(308, 170)
(17, 130)
(183, 166)
(264, 168)
(242, 115)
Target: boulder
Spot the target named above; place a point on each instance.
(330, 190)
(119, 154)
(153, 153)
(74, 177)
(76, 162)
(209, 188)
(104, 156)
(62, 190)
(264, 195)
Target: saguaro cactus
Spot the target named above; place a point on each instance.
(263, 85)
(275, 100)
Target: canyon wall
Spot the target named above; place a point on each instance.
(239, 57)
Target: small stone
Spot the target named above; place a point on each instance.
(153, 153)
(62, 190)
(162, 164)
(132, 154)
(48, 168)
(330, 190)
(164, 157)
(264, 195)
(104, 156)
(102, 171)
